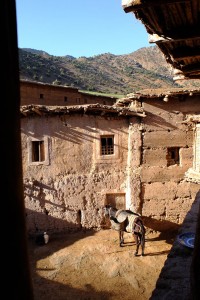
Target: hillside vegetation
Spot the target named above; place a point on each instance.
(107, 73)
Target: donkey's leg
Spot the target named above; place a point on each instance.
(142, 242)
(137, 242)
(121, 237)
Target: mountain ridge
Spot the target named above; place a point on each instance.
(104, 73)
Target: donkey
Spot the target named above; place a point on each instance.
(127, 221)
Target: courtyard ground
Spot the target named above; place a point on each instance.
(91, 266)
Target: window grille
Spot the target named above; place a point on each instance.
(107, 145)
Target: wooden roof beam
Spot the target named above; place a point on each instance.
(24, 113)
(179, 74)
(37, 111)
(191, 69)
(128, 113)
(184, 57)
(155, 38)
(185, 53)
(134, 5)
(189, 77)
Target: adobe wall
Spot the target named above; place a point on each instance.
(46, 94)
(69, 191)
(166, 195)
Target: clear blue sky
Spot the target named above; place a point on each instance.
(78, 27)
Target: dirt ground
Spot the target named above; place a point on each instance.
(92, 266)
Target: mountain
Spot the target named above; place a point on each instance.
(145, 68)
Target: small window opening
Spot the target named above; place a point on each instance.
(38, 151)
(65, 99)
(79, 218)
(107, 145)
(173, 157)
(41, 96)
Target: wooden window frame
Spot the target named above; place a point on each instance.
(109, 158)
(38, 151)
(107, 145)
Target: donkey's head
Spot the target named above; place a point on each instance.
(106, 210)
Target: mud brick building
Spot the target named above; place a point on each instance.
(137, 152)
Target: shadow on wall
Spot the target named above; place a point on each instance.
(39, 222)
(160, 225)
(46, 209)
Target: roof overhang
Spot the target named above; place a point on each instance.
(174, 26)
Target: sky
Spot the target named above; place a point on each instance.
(78, 27)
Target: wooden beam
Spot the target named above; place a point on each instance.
(128, 113)
(155, 38)
(192, 68)
(183, 57)
(185, 53)
(37, 111)
(131, 5)
(179, 77)
(177, 72)
(188, 75)
(193, 76)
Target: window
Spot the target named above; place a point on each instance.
(117, 200)
(173, 156)
(107, 145)
(65, 99)
(41, 96)
(38, 151)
